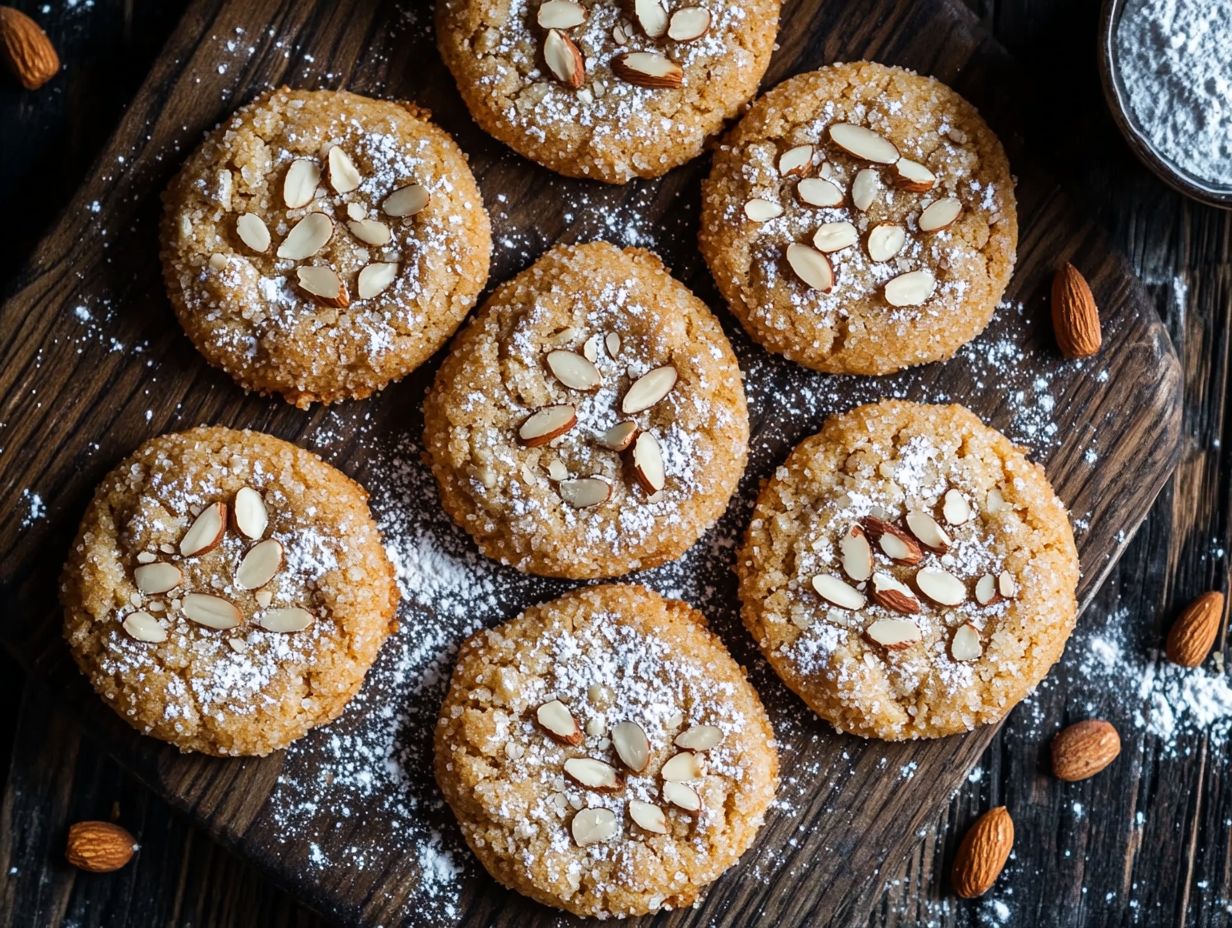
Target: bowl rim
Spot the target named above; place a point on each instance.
(1114, 96)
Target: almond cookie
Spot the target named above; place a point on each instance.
(321, 244)
(604, 754)
(861, 219)
(908, 572)
(603, 89)
(590, 420)
(227, 591)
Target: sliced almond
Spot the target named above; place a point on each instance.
(611, 341)
(811, 266)
(288, 619)
(593, 774)
(913, 176)
(940, 214)
(376, 278)
(837, 592)
(649, 389)
(323, 284)
(356, 211)
(573, 370)
(760, 210)
(300, 185)
(955, 509)
(210, 611)
(620, 436)
(864, 188)
(941, 586)
(893, 634)
(699, 737)
(590, 349)
(648, 816)
(890, 594)
(995, 502)
(249, 513)
(986, 592)
(563, 59)
(307, 237)
(1007, 586)
(910, 289)
(681, 767)
(557, 471)
(648, 465)
(343, 175)
(863, 143)
(593, 826)
(688, 24)
(894, 543)
(818, 191)
(253, 232)
(406, 201)
(158, 577)
(144, 627)
(926, 530)
(835, 236)
(966, 644)
(547, 423)
(797, 161)
(560, 14)
(206, 532)
(370, 231)
(651, 16)
(856, 554)
(585, 492)
(885, 241)
(682, 796)
(631, 744)
(260, 564)
(647, 69)
(555, 718)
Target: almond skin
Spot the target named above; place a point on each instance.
(99, 847)
(26, 49)
(1084, 749)
(1194, 631)
(1075, 318)
(983, 852)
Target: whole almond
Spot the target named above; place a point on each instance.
(1194, 631)
(1084, 749)
(1075, 317)
(99, 847)
(26, 49)
(982, 853)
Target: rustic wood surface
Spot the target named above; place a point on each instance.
(179, 878)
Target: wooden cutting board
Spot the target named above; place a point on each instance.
(94, 363)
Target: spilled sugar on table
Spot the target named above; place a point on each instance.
(73, 408)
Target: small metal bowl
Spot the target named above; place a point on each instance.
(1118, 102)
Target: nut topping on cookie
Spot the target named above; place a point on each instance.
(249, 513)
(681, 767)
(940, 214)
(541, 426)
(955, 509)
(1006, 585)
(885, 241)
(260, 564)
(811, 266)
(760, 210)
(651, 16)
(343, 175)
(648, 463)
(144, 627)
(649, 389)
(593, 826)
(894, 543)
(574, 371)
(837, 593)
(856, 554)
(593, 774)
(647, 69)
(890, 594)
(893, 634)
(563, 59)
(299, 187)
(307, 237)
(699, 737)
(289, 619)
(370, 231)
(925, 528)
(913, 176)
(648, 816)
(252, 232)
(864, 188)
(158, 577)
(797, 161)
(682, 796)
(560, 14)
(406, 201)
(986, 592)
(375, 278)
(966, 645)
(910, 289)
(688, 24)
(631, 744)
(612, 342)
(556, 719)
(863, 143)
(817, 191)
(620, 436)
(585, 492)
(323, 284)
(210, 611)
(206, 532)
(941, 586)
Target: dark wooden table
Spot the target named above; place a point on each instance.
(1145, 843)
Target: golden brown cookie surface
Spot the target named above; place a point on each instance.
(227, 591)
(604, 754)
(908, 572)
(861, 219)
(590, 420)
(321, 244)
(603, 89)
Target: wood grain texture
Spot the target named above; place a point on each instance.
(231, 799)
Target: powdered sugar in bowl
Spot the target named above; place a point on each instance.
(1167, 75)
